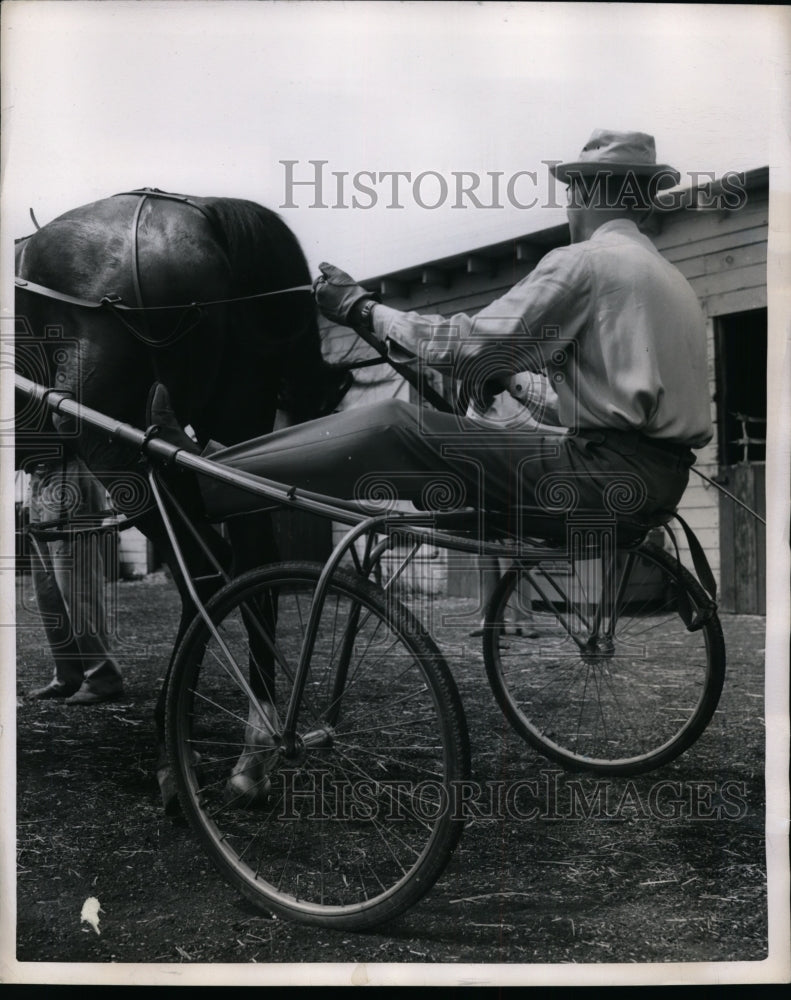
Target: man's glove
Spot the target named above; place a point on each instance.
(338, 296)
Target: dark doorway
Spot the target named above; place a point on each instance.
(741, 388)
(741, 420)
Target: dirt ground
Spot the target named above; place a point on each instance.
(636, 887)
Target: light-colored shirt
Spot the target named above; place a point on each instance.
(615, 327)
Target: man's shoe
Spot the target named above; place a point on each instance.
(88, 696)
(161, 413)
(55, 689)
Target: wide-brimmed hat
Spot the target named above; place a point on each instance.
(618, 153)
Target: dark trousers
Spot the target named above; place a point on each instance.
(438, 460)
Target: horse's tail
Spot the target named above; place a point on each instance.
(266, 256)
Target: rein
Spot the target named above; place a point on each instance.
(115, 303)
(730, 495)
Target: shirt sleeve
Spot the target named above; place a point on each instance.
(519, 331)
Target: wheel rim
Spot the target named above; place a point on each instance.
(358, 806)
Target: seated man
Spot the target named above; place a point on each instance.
(617, 330)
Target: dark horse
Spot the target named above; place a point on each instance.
(229, 365)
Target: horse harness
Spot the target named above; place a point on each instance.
(191, 313)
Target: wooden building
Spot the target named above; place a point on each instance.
(722, 252)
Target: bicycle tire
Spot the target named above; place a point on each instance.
(625, 709)
(312, 853)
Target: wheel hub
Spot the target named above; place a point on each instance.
(598, 648)
(321, 738)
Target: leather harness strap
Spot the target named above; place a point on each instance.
(157, 193)
(50, 293)
(135, 255)
(136, 282)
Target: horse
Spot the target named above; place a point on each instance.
(149, 287)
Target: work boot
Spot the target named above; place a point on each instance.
(101, 683)
(87, 696)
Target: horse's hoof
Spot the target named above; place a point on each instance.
(246, 792)
(168, 793)
(249, 785)
(168, 790)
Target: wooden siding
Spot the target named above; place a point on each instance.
(721, 253)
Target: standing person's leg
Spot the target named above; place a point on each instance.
(83, 587)
(69, 587)
(102, 678)
(55, 617)
(67, 667)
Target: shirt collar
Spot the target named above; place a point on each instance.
(625, 226)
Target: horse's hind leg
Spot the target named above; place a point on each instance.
(253, 541)
(200, 565)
